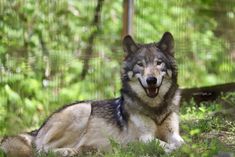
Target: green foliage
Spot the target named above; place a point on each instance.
(136, 149)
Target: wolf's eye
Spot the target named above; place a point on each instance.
(140, 64)
(159, 62)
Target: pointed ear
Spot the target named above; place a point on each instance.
(166, 44)
(129, 44)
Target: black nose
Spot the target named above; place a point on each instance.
(151, 80)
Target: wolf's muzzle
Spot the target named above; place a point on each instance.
(152, 88)
(151, 81)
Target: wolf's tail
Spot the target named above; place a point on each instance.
(17, 146)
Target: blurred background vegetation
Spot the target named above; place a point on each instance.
(45, 45)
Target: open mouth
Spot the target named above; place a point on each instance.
(151, 91)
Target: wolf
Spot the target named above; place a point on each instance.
(148, 109)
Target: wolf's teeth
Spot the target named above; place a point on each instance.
(148, 91)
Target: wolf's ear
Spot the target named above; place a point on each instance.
(166, 44)
(129, 44)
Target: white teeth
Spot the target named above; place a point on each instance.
(147, 91)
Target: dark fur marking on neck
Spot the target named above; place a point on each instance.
(120, 113)
(167, 115)
(111, 110)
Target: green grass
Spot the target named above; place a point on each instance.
(207, 130)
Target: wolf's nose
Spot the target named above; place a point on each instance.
(151, 80)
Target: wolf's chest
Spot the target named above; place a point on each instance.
(143, 127)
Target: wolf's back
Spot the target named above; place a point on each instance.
(17, 146)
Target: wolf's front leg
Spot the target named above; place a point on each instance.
(166, 146)
(169, 130)
(66, 152)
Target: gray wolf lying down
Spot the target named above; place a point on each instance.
(146, 110)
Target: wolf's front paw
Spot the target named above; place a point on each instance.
(66, 152)
(177, 140)
(168, 148)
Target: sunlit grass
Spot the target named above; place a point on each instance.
(206, 130)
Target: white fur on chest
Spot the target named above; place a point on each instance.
(144, 127)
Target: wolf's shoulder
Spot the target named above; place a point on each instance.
(105, 107)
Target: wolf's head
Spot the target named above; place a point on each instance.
(149, 70)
